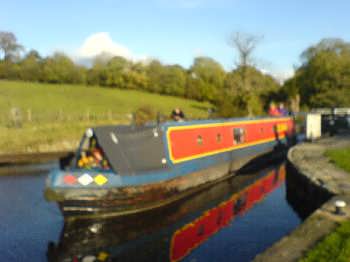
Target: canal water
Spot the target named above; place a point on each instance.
(233, 220)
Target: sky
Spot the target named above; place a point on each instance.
(177, 31)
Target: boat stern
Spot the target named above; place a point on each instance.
(64, 185)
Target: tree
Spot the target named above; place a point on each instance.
(115, 72)
(206, 79)
(245, 44)
(291, 92)
(263, 87)
(31, 66)
(173, 80)
(335, 45)
(60, 69)
(9, 70)
(97, 73)
(9, 45)
(323, 79)
(154, 73)
(136, 77)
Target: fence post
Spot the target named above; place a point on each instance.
(61, 115)
(109, 115)
(29, 115)
(88, 115)
(16, 117)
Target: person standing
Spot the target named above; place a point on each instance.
(282, 110)
(273, 110)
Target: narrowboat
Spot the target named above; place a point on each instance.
(169, 233)
(120, 170)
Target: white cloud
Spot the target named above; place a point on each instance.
(279, 75)
(198, 52)
(102, 43)
(284, 75)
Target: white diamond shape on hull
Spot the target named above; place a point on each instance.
(85, 179)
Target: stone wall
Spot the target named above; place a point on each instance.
(314, 179)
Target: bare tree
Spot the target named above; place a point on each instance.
(245, 44)
(9, 45)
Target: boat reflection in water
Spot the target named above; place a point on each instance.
(167, 234)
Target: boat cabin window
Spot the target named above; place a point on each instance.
(238, 135)
(199, 140)
(218, 138)
(91, 155)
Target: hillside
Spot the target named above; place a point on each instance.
(45, 117)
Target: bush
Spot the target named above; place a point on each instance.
(144, 114)
(230, 106)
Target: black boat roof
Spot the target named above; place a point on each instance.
(131, 149)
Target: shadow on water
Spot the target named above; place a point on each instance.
(302, 195)
(223, 221)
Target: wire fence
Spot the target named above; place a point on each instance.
(17, 117)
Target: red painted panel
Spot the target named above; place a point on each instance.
(183, 142)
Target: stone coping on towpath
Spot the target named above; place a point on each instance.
(310, 161)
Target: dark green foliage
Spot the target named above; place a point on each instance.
(323, 80)
(173, 80)
(31, 66)
(154, 73)
(60, 69)
(229, 105)
(115, 71)
(9, 70)
(248, 94)
(206, 79)
(96, 74)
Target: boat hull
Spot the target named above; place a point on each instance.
(90, 203)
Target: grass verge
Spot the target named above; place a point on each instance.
(335, 247)
(340, 157)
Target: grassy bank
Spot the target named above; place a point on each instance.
(44, 117)
(335, 247)
(340, 157)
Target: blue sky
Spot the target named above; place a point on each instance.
(175, 31)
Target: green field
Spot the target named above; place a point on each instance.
(335, 247)
(45, 117)
(340, 157)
